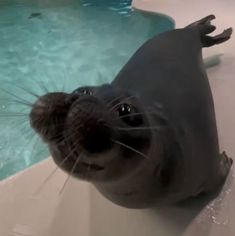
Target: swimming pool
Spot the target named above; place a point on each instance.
(59, 45)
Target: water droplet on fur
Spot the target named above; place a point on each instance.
(228, 191)
(219, 222)
(215, 221)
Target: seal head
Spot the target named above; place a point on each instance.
(88, 133)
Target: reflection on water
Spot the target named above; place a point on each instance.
(54, 45)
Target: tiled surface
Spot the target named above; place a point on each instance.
(80, 210)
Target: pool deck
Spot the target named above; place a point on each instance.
(80, 210)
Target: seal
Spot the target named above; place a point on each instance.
(150, 136)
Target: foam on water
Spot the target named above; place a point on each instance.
(69, 44)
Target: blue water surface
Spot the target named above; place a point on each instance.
(64, 44)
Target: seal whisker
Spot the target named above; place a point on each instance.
(44, 131)
(53, 173)
(43, 74)
(54, 84)
(158, 127)
(13, 114)
(129, 147)
(116, 105)
(65, 81)
(42, 86)
(17, 102)
(22, 121)
(134, 114)
(22, 124)
(64, 139)
(22, 100)
(28, 133)
(70, 174)
(24, 89)
(89, 165)
(114, 100)
(28, 91)
(59, 138)
(13, 101)
(131, 115)
(68, 137)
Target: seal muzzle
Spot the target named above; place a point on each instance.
(87, 125)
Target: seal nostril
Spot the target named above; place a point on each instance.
(96, 139)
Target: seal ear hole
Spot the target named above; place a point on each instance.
(129, 115)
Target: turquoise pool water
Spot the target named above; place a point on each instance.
(59, 45)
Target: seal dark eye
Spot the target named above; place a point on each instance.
(85, 91)
(129, 115)
(124, 109)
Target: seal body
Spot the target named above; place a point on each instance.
(150, 136)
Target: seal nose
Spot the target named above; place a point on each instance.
(87, 124)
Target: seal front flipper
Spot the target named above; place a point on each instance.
(225, 165)
(209, 41)
(204, 26)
